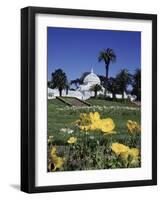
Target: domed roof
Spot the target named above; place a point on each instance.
(91, 79)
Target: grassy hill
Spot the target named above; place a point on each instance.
(62, 117)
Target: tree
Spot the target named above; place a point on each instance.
(49, 84)
(83, 76)
(123, 80)
(67, 87)
(103, 80)
(136, 83)
(103, 83)
(107, 56)
(112, 86)
(76, 82)
(96, 88)
(58, 80)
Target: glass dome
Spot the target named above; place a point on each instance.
(91, 79)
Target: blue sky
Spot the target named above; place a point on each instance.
(76, 50)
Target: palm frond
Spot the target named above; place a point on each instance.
(107, 55)
(102, 56)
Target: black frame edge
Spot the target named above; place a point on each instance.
(96, 13)
(154, 99)
(24, 100)
(27, 100)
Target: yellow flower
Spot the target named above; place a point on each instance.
(92, 121)
(96, 125)
(57, 162)
(84, 116)
(72, 140)
(119, 148)
(84, 119)
(124, 155)
(94, 117)
(107, 125)
(85, 127)
(125, 152)
(133, 127)
(134, 152)
(138, 127)
(135, 161)
(77, 122)
(53, 151)
(93, 126)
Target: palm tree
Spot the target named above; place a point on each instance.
(58, 80)
(96, 88)
(112, 86)
(76, 82)
(104, 83)
(83, 76)
(67, 87)
(136, 83)
(107, 56)
(123, 80)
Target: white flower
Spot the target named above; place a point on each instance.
(91, 137)
(70, 131)
(66, 130)
(63, 129)
(97, 108)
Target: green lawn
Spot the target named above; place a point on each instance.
(109, 103)
(62, 116)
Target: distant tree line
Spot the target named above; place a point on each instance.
(120, 83)
(114, 85)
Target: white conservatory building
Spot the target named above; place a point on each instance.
(83, 92)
